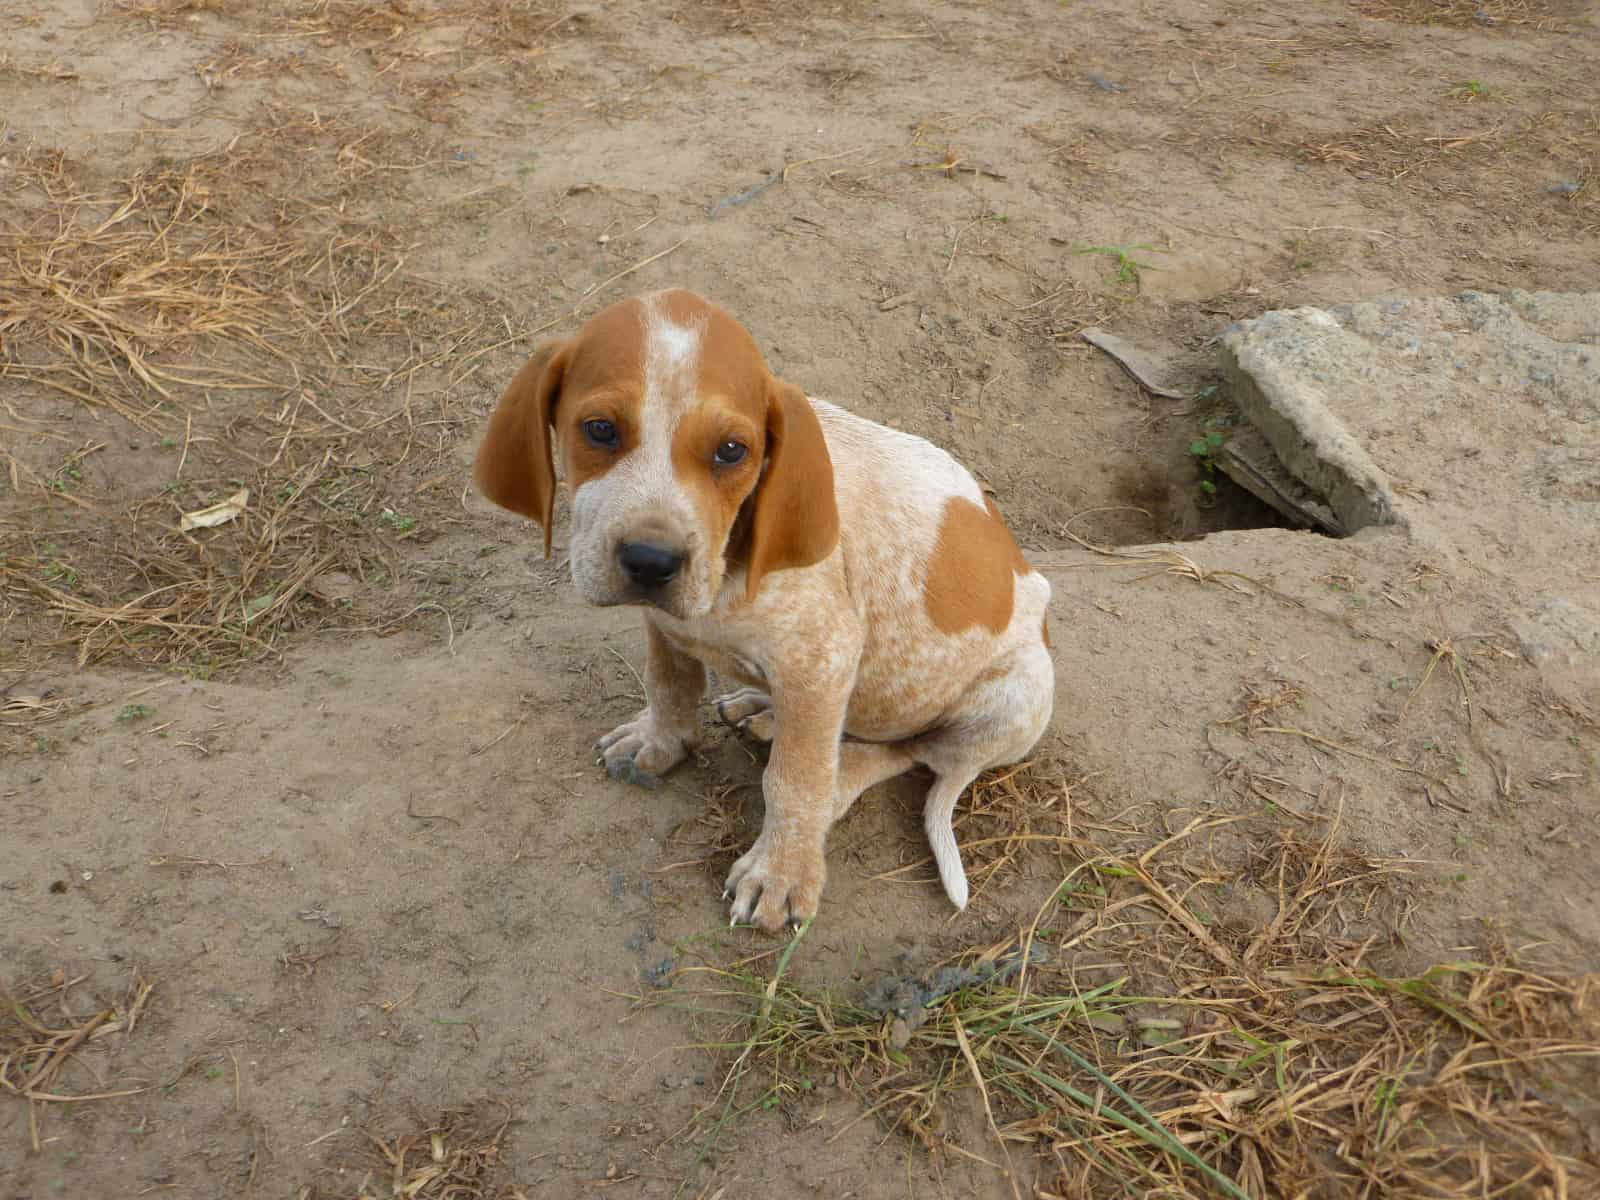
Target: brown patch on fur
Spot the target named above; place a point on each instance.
(795, 522)
(719, 490)
(1044, 631)
(583, 459)
(514, 468)
(604, 382)
(972, 572)
(598, 374)
(792, 519)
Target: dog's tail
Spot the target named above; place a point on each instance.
(937, 815)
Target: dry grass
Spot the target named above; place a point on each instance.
(1270, 1062)
(1060, 313)
(1259, 701)
(454, 1156)
(1466, 14)
(1011, 816)
(1477, 152)
(715, 833)
(290, 363)
(1396, 154)
(400, 47)
(519, 23)
(1168, 561)
(37, 1051)
(1324, 893)
(107, 290)
(24, 709)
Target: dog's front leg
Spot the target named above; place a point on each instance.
(655, 741)
(779, 880)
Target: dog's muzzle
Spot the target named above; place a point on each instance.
(649, 568)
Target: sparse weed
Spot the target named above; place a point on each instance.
(1128, 267)
(1472, 89)
(1204, 450)
(390, 519)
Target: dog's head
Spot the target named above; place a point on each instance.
(685, 458)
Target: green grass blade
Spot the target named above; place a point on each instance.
(1152, 1131)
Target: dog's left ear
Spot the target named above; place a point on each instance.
(795, 521)
(515, 467)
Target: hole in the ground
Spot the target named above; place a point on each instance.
(1207, 468)
(1201, 473)
(1165, 502)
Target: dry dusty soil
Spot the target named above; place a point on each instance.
(308, 885)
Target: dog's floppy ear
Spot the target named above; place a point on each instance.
(795, 522)
(515, 467)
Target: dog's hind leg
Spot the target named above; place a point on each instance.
(862, 764)
(997, 722)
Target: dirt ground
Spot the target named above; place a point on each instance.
(305, 800)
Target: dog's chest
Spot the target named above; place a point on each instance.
(716, 653)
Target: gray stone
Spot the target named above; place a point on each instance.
(1284, 368)
(1471, 422)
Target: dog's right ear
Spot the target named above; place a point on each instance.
(515, 467)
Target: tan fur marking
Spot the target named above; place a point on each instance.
(583, 459)
(719, 491)
(514, 467)
(1044, 631)
(971, 574)
(604, 382)
(796, 514)
(597, 375)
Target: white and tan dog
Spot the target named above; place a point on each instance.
(853, 578)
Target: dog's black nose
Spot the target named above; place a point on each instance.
(649, 566)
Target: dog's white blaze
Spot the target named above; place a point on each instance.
(671, 362)
(677, 343)
(671, 366)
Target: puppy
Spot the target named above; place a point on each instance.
(853, 579)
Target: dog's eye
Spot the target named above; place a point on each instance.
(729, 453)
(601, 433)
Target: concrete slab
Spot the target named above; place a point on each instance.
(1470, 424)
(1475, 416)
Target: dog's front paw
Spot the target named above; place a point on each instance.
(640, 752)
(748, 711)
(773, 888)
